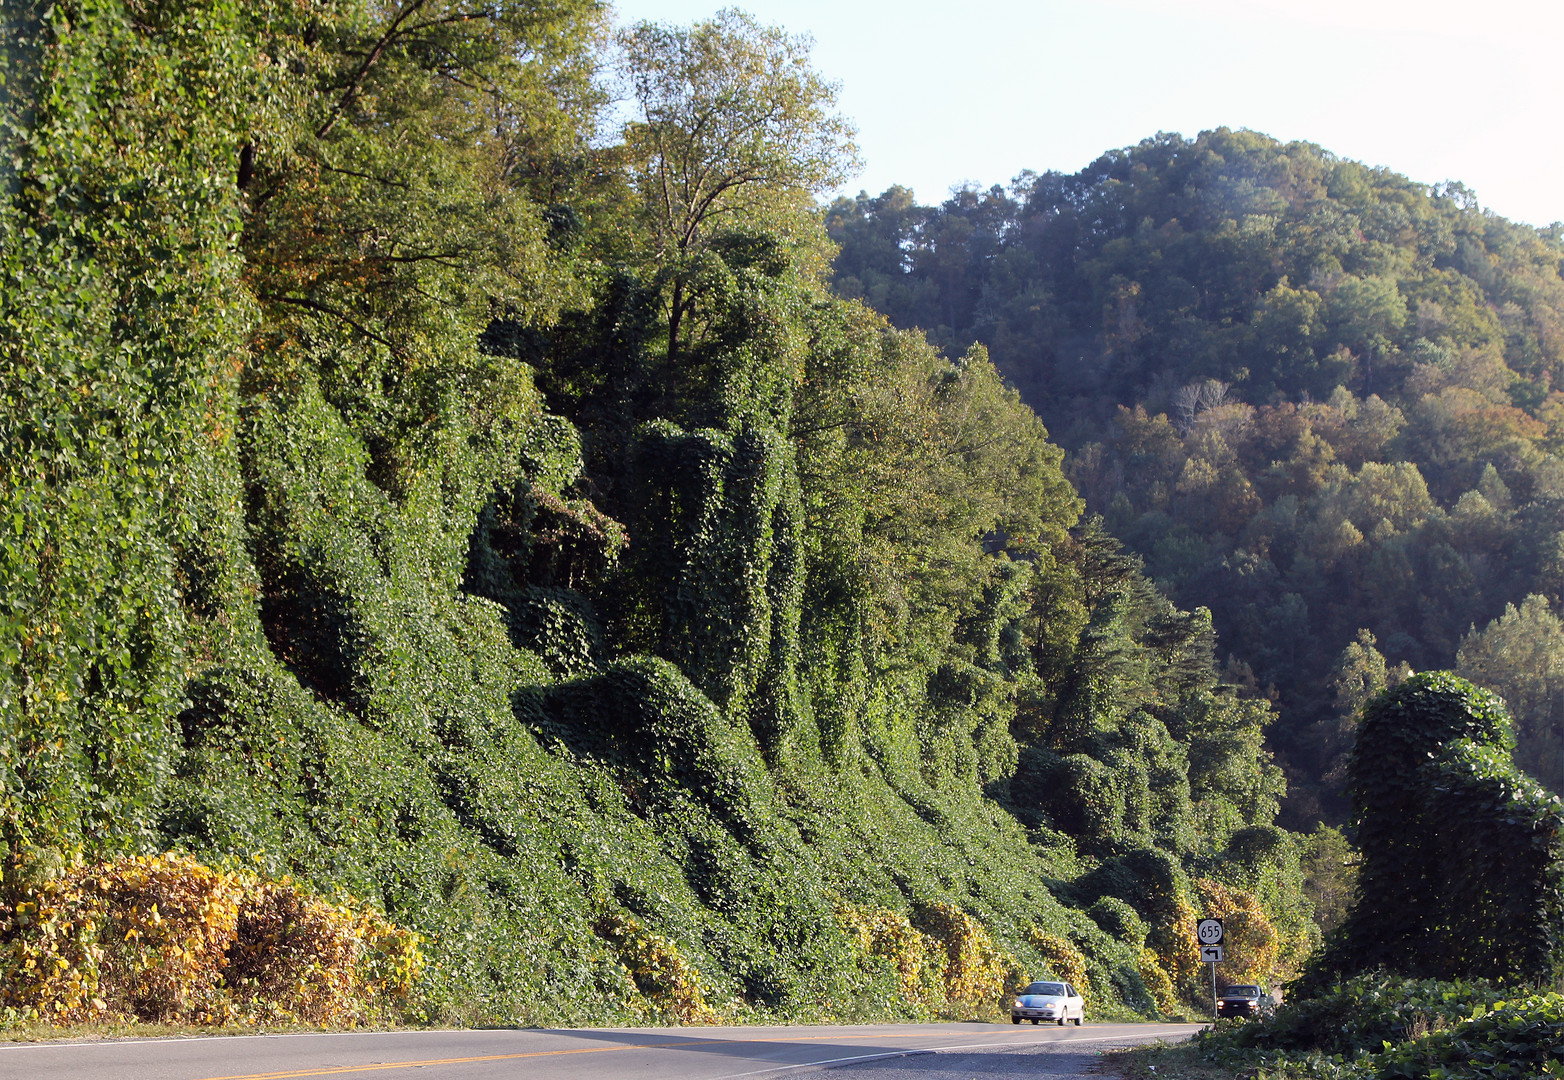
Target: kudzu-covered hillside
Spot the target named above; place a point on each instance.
(413, 489)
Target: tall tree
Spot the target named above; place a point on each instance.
(734, 129)
(1520, 656)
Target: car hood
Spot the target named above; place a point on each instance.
(1037, 1001)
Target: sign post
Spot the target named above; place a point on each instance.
(1209, 933)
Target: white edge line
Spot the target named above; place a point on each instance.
(886, 1056)
(883, 1056)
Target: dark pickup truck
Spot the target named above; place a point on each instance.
(1243, 1001)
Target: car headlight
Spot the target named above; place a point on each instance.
(1019, 1005)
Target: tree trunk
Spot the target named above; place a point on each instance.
(675, 315)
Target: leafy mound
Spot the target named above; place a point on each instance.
(1389, 1028)
(1360, 1016)
(1514, 1039)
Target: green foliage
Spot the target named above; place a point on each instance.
(1391, 1028)
(713, 584)
(1461, 854)
(1358, 1016)
(1330, 869)
(732, 117)
(117, 339)
(1157, 888)
(1316, 398)
(1517, 656)
(388, 504)
(1514, 1038)
(1118, 920)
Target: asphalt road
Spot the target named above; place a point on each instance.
(870, 1052)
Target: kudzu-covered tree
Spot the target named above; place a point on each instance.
(1462, 872)
(121, 337)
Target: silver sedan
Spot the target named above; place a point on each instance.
(1055, 1001)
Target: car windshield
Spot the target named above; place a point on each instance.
(1045, 989)
(1243, 991)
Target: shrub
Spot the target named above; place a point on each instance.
(1249, 937)
(165, 938)
(142, 938)
(1361, 1015)
(979, 976)
(1157, 982)
(1064, 961)
(1522, 1038)
(296, 956)
(658, 971)
(917, 959)
(947, 966)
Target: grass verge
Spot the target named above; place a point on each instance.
(1168, 1061)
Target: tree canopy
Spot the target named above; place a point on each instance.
(734, 131)
(1315, 397)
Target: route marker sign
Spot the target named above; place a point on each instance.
(1209, 931)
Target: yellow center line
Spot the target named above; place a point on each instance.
(334, 1070)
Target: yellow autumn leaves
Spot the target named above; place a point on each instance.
(167, 939)
(952, 968)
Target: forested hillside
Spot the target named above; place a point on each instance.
(412, 490)
(1316, 398)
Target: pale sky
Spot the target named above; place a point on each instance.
(944, 94)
